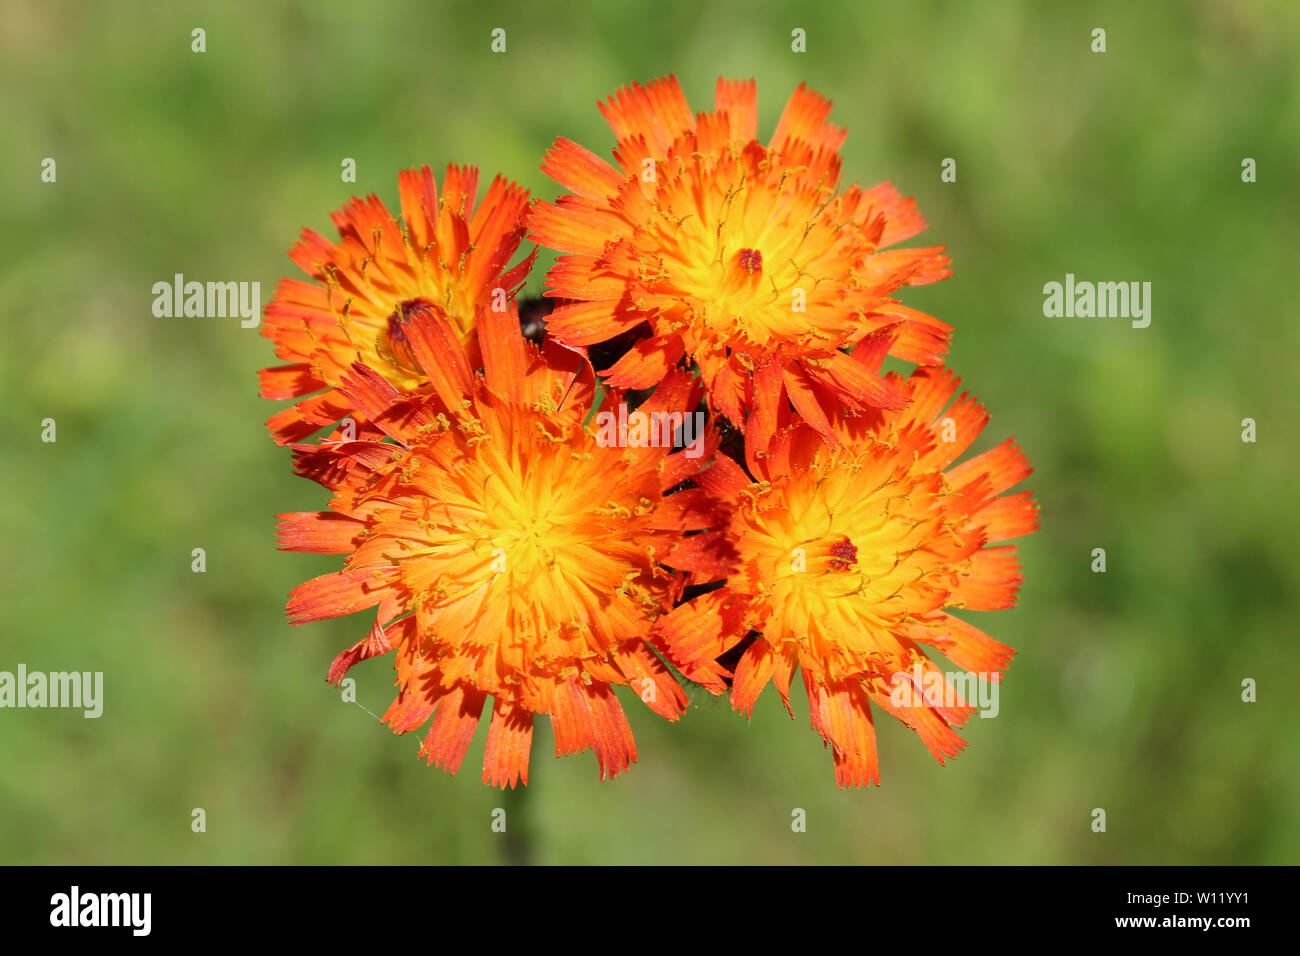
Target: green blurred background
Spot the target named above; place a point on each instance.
(1126, 691)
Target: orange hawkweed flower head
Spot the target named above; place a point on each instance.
(443, 256)
(848, 560)
(745, 257)
(509, 553)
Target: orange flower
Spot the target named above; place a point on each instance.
(509, 552)
(443, 256)
(848, 560)
(738, 255)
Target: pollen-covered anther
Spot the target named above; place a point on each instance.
(750, 260)
(843, 555)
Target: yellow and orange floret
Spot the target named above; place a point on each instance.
(737, 254)
(509, 554)
(444, 254)
(848, 560)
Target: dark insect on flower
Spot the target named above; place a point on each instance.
(532, 317)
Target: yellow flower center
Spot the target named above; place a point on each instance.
(752, 253)
(379, 291)
(840, 551)
(533, 527)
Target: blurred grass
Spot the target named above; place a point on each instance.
(1125, 693)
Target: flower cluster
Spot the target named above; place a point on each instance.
(780, 504)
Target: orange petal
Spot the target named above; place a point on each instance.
(308, 416)
(659, 112)
(962, 643)
(419, 198)
(804, 119)
(803, 397)
(646, 363)
(586, 323)
(509, 740)
(841, 713)
(339, 593)
(753, 673)
(939, 738)
(506, 354)
(1009, 516)
(723, 479)
(572, 224)
(289, 381)
(318, 532)
(1006, 466)
(590, 716)
(708, 555)
(580, 170)
(739, 100)
(452, 730)
(902, 218)
(650, 679)
(698, 632)
(898, 267)
(855, 386)
(992, 582)
(379, 641)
